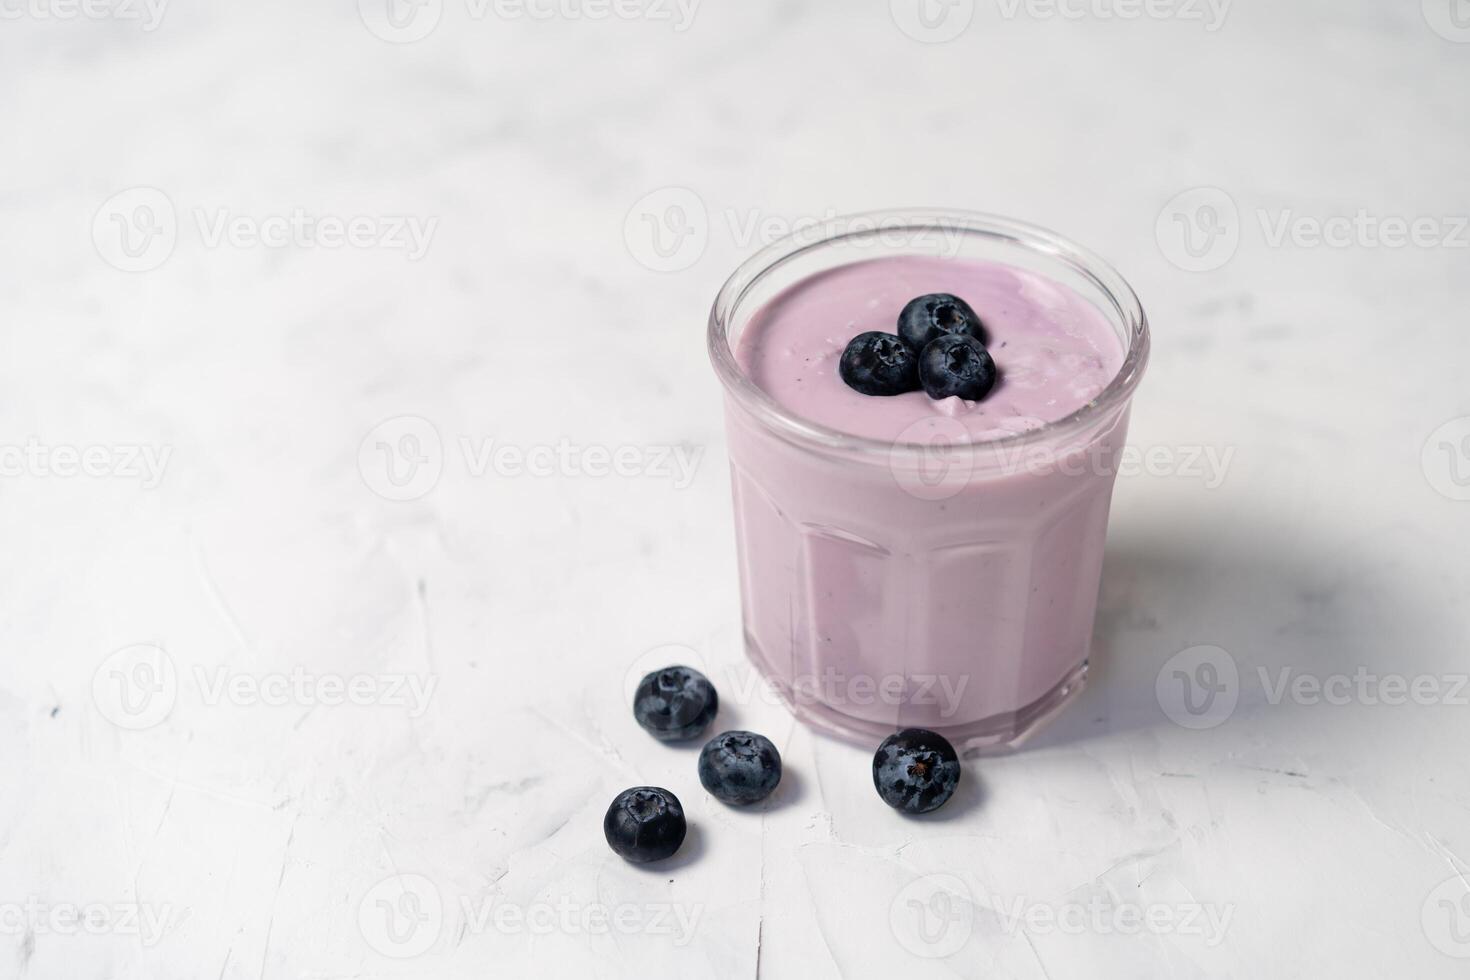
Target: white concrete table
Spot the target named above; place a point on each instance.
(359, 448)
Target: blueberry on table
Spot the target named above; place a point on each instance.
(739, 767)
(956, 365)
(877, 363)
(936, 315)
(675, 703)
(916, 770)
(645, 823)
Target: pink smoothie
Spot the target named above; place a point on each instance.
(874, 599)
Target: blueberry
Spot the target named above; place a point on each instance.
(675, 703)
(956, 365)
(916, 770)
(645, 823)
(927, 318)
(739, 767)
(877, 363)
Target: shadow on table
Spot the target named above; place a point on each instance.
(1279, 604)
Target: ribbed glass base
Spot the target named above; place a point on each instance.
(996, 734)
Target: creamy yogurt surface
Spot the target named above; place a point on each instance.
(1054, 351)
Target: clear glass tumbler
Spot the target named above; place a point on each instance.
(938, 583)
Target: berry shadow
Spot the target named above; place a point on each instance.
(790, 791)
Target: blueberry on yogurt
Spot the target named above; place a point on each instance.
(956, 364)
(877, 363)
(927, 318)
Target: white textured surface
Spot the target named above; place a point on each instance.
(260, 833)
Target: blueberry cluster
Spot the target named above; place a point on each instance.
(915, 771)
(940, 347)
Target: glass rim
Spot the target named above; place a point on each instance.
(869, 224)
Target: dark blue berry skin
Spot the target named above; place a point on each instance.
(675, 703)
(916, 770)
(645, 823)
(930, 317)
(739, 767)
(877, 363)
(956, 365)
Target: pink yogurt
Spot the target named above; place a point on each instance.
(1055, 351)
(940, 571)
